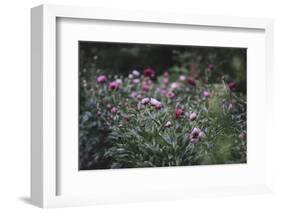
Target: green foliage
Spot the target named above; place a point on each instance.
(136, 135)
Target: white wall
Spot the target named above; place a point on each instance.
(15, 98)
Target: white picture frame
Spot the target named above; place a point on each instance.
(44, 154)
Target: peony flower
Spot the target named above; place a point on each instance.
(182, 78)
(145, 87)
(114, 110)
(179, 113)
(133, 94)
(101, 79)
(114, 85)
(175, 85)
(168, 124)
(130, 76)
(192, 116)
(136, 81)
(119, 81)
(206, 93)
(136, 73)
(145, 101)
(191, 82)
(148, 72)
(157, 104)
(170, 94)
(232, 85)
(196, 135)
(139, 96)
(165, 81)
(201, 135)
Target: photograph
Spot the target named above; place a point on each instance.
(161, 105)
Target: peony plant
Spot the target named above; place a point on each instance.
(150, 120)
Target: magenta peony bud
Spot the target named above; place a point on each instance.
(148, 72)
(191, 82)
(101, 79)
(179, 113)
(232, 85)
(114, 85)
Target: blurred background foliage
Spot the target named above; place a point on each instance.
(193, 61)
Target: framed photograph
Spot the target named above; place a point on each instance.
(130, 106)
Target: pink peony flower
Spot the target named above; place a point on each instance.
(148, 72)
(139, 96)
(165, 81)
(145, 87)
(101, 79)
(114, 85)
(157, 104)
(179, 113)
(136, 81)
(182, 78)
(134, 95)
(145, 101)
(191, 82)
(175, 85)
(201, 135)
(232, 85)
(192, 116)
(170, 94)
(196, 135)
(114, 110)
(206, 93)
